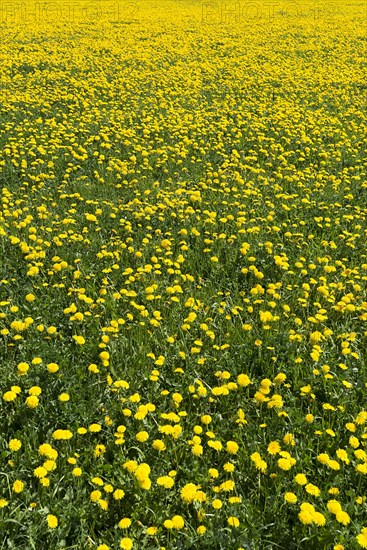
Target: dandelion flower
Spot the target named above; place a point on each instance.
(52, 521)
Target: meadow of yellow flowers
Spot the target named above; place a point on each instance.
(183, 275)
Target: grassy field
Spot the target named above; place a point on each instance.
(183, 275)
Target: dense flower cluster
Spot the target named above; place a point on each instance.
(183, 290)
